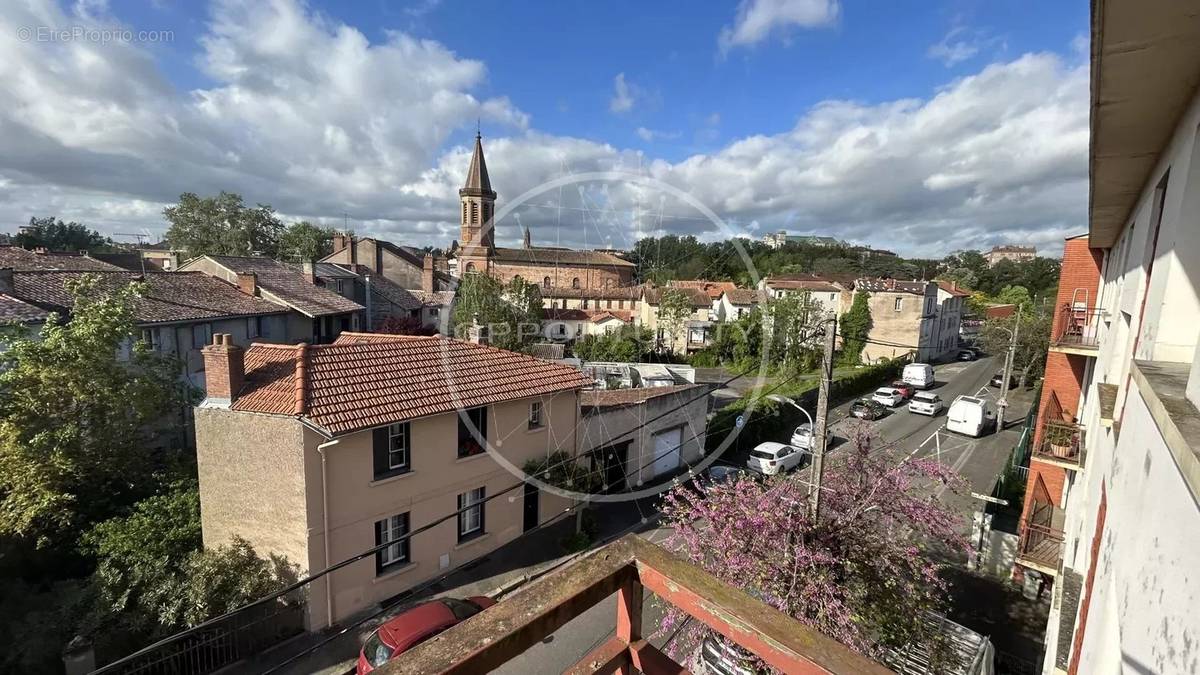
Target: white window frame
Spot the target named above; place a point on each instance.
(535, 415)
(394, 527)
(398, 445)
(899, 304)
(470, 519)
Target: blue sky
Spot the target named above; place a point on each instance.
(568, 86)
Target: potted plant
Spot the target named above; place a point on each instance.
(1061, 440)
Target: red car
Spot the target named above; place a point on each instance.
(405, 631)
(906, 390)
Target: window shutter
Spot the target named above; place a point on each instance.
(482, 510)
(380, 450)
(379, 525)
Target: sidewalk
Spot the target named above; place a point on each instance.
(494, 574)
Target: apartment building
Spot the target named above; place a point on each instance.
(1116, 538)
(903, 319)
(947, 327)
(832, 297)
(1013, 253)
(322, 452)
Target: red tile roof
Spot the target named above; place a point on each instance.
(287, 283)
(15, 309)
(366, 380)
(745, 296)
(952, 289)
(803, 284)
(714, 289)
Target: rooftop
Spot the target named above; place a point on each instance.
(744, 296)
(699, 298)
(891, 286)
(615, 398)
(15, 309)
(366, 380)
(170, 297)
(286, 282)
(22, 260)
(953, 289)
(714, 289)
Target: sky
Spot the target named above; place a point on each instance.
(922, 127)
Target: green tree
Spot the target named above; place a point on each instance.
(510, 313)
(55, 235)
(627, 344)
(674, 308)
(855, 326)
(78, 403)
(791, 322)
(1014, 295)
(303, 241)
(222, 225)
(1033, 340)
(962, 276)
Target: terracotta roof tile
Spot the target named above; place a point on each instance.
(15, 309)
(22, 260)
(712, 288)
(170, 296)
(365, 380)
(286, 282)
(745, 296)
(698, 297)
(952, 289)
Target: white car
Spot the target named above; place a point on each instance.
(888, 396)
(925, 403)
(802, 437)
(770, 458)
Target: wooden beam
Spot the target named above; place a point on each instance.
(603, 660)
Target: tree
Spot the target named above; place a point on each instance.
(304, 242)
(627, 344)
(674, 307)
(861, 574)
(962, 276)
(791, 322)
(855, 326)
(1014, 295)
(55, 235)
(1029, 357)
(77, 417)
(153, 577)
(510, 313)
(222, 225)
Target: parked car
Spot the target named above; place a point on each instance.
(905, 389)
(720, 473)
(722, 658)
(802, 437)
(919, 375)
(967, 355)
(771, 458)
(998, 380)
(866, 409)
(414, 626)
(970, 416)
(925, 403)
(888, 396)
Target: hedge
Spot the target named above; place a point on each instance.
(773, 421)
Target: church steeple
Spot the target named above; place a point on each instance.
(528, 240)
(478, 201)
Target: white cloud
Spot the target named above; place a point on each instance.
(757, 19)
(307, 115)
(651, 135)
(623, 95)
(960, 44)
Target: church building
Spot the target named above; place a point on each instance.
(549, 267)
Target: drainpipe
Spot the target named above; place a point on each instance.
(325, 532)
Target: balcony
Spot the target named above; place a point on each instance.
(1077, 331)
(627, 567)
(1062, 445)
(1040, 546)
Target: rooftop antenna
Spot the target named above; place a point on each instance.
(142, 238)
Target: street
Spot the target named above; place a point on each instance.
(979, 460)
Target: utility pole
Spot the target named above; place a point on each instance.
(820, 435)
(1002, 404)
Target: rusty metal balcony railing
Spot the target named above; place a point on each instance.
(1061, 444)
(1041, 545)
(1078, 327)
(627, 567)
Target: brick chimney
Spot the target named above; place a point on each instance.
(224, 370)
(310, 274)
(339, 241)
(248, 283)
(427, 273)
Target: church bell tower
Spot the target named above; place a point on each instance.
(478, 202)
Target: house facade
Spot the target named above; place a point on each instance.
(903, 316)
(697, 329)
(1013, 253)
(947, 327)
(1115, 474)
(629, 451)
(372, 437)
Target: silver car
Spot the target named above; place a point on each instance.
(802, 437)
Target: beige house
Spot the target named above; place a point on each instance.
(903, 319)
(1013, 253)
(638, 435)
(323, 452)
(696, 331)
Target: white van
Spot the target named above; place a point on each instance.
(919, 375)
(970, 416)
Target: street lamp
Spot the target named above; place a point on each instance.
(783, 399)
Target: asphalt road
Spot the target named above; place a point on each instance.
(978, 460)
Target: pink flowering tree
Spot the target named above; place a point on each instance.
(864, 573)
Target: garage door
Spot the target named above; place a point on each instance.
(666, 451)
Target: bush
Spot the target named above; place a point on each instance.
(705, 358)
